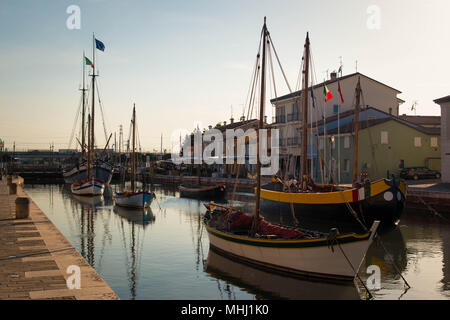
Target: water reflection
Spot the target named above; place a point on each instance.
(162, 252)
(269, 285)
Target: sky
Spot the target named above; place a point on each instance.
(185, 63)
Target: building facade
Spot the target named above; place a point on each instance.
(288, 112)
(386, 146)
(445, 137)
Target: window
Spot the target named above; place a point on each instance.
(384, 137)
(417, 141)
(434, 142)
(346, 142)
(335, 109)
(321, 143)
(346, 165)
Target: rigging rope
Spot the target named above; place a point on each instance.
(75, 122)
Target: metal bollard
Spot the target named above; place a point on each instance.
(12, 188)
(22, 208)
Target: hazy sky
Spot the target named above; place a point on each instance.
(184, 62)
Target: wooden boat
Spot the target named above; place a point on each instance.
(89, 187)
(366, 201)
(312, 254)
(203, 192)
(134, 198)
(253, 240)
(102, 170)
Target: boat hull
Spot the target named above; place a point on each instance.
(203, 192)
(318, 210)
(311, 257)
(141, 199)
(91, 187)
(103, 171)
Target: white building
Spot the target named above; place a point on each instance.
(445, 138)
(288, 114)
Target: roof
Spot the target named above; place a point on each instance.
(236, 124)
(348, 128)
(298, 93)
(442, 100)
(422, 120)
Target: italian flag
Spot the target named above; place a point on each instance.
(327, 94)
(88, 62)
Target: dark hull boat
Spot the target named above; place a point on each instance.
(101, 170)
(381, 200)
(203, 192)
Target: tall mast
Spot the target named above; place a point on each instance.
(133, 157)
(83, 112)
(89, 149)
(305, 115)
(355, 149)
(93, 95)
(261, 123)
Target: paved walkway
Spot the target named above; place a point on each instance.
(34, 257)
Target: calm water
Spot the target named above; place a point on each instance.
(163, 252)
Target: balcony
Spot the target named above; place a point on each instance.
(293, 117)
(280, 119)
(293, 142)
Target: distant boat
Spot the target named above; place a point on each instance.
(134, 198)
(89, 187)
(251, 239)
(203, 192)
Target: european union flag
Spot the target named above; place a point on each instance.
(312, 97)
(99, 45)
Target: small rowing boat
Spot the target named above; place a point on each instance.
(203, 192)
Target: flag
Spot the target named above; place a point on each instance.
(312, 97)
(326, 93)
(340, 92)
(88, 62)
(99, 45)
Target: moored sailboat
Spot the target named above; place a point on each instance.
(286, 249)
(102, 170)
(134, 198)
(351, 208)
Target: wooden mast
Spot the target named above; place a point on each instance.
(261, 126)
(93, 97)
(83, 112)
(355, 148)
(89, 149)
(133, 156)
(305, 116)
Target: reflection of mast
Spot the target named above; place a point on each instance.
(133, 263)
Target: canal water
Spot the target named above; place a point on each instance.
(163, 252)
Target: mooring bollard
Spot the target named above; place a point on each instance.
(12, 188)
(22, 208)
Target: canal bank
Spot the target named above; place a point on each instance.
(36, 260)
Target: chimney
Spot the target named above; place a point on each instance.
(224, 123)
(242, 118)
(265, 119)
(333, 75)
(210, 127)
(231, 120)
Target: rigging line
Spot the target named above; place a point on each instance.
(255, 75)
(279, 63)
(75, 122)
(101, 109)
(251, 85)
(372, 145)
(271, 69)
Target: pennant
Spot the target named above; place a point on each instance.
(88, 62)
(312, 97)
(340, 92)
(327, 93)
(99, 45)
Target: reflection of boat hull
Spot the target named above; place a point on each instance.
(103, 171)
(91, 187)
(310, 257)
(276, 286)
(203, 192)
(140, 199)
(139, 216)
(385, 203)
